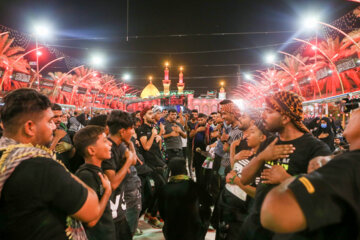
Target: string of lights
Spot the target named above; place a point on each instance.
(178, 35)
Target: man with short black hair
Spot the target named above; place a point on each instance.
(173, 134)
(62, 143)
(116, 169)
(195, 113)
(150, 143)
(201, 138)
(37, 192)
(94, 147)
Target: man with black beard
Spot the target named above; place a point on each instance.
(150, 144)
(287, 155)
(38, 195)
(322, 204)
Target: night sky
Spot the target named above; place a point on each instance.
(85, 26)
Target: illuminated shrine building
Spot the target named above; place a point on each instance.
(150, 91)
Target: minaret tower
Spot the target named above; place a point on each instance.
(181, 83)
(166, 81)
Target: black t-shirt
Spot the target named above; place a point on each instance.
(184, 204)
(104, 228)
(306, 148)
(153, 157)
(117, 199)
(329, 199)
(37, 198)
(140, 168)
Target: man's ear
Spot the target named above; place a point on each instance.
(29, 128)
(285, 119)
(90, 150)
(107, 130)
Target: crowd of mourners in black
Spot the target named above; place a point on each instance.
(250, 174)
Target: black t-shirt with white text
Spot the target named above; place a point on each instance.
(104, 228)
(37, 198)
(115, 163)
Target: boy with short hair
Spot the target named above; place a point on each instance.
(91, 142)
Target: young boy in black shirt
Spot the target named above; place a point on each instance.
(92, 143)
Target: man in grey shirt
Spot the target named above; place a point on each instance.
(174, 131)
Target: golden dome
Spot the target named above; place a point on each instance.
(150, 91)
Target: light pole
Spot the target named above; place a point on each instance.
(42, 30)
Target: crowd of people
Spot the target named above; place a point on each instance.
(247, 174)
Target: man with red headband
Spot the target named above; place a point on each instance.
(288, 155)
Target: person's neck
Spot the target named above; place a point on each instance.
(18, 138)
(147, 123)
(255, 149)
(290, 133)
(353, 146)
(93, 161)
(235, 124)
(116, 139)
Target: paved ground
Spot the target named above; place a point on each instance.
(150, 233)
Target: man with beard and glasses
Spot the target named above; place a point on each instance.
(38, 195)
(289, 154)
(150, 144)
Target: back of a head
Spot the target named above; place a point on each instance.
(177, 166)
(119, 120)
(99, 120)
(20, 106)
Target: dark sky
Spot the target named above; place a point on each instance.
(83, 26)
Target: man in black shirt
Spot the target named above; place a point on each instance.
(92, 144)
(121, 129)
(322, 204)
(286, 156)
(37, 193)
(150, 143)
